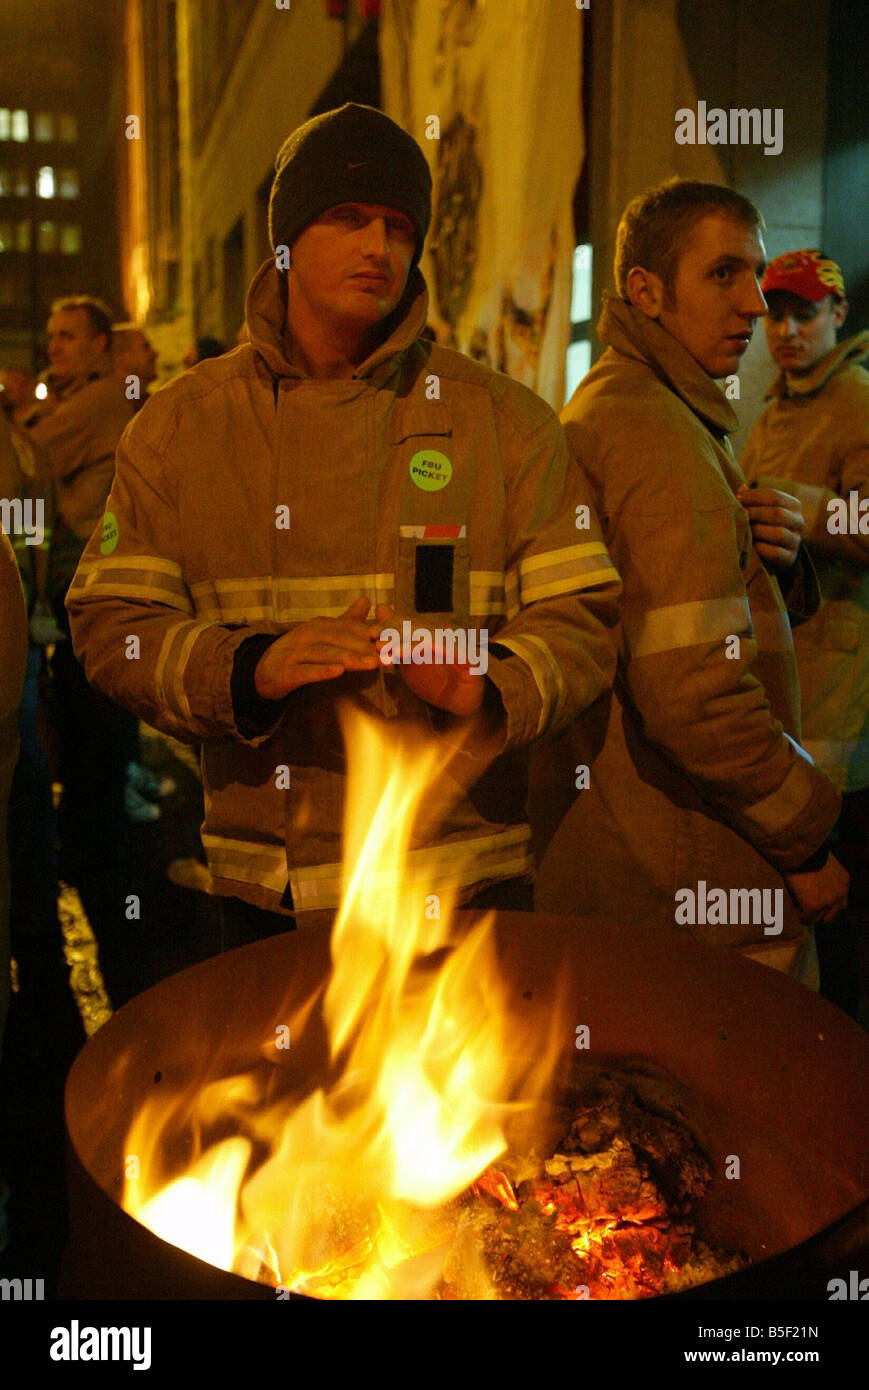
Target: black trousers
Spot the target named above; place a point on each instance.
(242, 924)
(93, 735)
(842, 950)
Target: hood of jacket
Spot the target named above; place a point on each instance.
(633, 333)
(844, 354)
(265, 315)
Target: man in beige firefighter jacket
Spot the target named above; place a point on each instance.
(686, 801)
(812, 439)
(268, 500)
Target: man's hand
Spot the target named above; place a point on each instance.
(319, 650)
(820, 894)
(450, 687)
(777, 524)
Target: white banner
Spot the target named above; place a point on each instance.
(492, 93)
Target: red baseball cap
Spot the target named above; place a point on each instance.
(808, 274)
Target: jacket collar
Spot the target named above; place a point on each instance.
(630, 331)
(102, 367)
(265, 315)
(844, 354)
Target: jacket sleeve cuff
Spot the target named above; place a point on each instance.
(789, 852)
(800, 589)
(519, 694)
(815, 861)
(254, 715)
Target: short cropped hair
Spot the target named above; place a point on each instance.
(656, 226)
(122, 333)
(99, 314)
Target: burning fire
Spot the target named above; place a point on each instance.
(350, 1190)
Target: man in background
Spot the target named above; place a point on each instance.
(86, 412)
(812, 439)
(135, 360)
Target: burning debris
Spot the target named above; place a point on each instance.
(607, 1216)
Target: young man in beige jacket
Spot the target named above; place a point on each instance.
(276, 508)
(686, 801)
(812, 439)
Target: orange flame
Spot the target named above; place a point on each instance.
(349, 1192)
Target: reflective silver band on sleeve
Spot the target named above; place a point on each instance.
(545, 670)
(707, 621)
(146, 577)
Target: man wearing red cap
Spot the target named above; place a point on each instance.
(813, 441)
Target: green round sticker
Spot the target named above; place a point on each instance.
(430, 470)
(111, 534)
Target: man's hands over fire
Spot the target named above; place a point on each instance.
(319, 650)
(324, 648)
(449, 687)
(777, 524)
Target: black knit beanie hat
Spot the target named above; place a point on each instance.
(354, 154)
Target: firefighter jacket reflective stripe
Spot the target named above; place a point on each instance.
(693, 769)
(249, 497)
(813, 440)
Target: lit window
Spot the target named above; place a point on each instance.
(22, 182)
(578, 363)
(45, 182)
(579, 351)
(5, 123)
(47, 237)
(67, 128)
(6, 236)
(5, 182)
(19, 125)
(580, 307)
(43, 126)
(70, 239)
(22, 236)
(67, 183)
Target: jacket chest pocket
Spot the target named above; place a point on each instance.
(432, 580)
